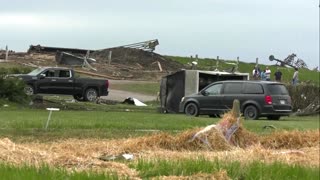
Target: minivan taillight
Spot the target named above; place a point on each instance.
(107, 83)
(268, 99)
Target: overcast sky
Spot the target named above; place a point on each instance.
(209, 28)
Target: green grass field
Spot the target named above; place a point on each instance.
(29, 123)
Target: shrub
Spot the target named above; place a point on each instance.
(12, 89)
(303, 95)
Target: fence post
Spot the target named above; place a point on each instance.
(217, 64)
(109, 57)
(237, 65)
(7, 53)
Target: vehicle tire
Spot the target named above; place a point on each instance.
(91, 95)
(251, 112)
(29, 90)
(78, 97)
(273, 117)
(191, 109)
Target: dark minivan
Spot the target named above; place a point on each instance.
(257, 99)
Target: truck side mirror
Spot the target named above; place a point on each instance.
(42, 76)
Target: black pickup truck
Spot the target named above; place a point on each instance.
(58, 80)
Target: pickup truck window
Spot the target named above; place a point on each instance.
(64, 74)
(57, 73)
(49, 73)
(35, 72)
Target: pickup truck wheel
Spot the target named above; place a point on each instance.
(191, 109)
(251, 112)
(78, 97)
(29, 90)
(91, 95)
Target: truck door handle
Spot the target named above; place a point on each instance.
(70, 81)
(53, 80)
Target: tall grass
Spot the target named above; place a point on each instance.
(44, 172)
(235, 170)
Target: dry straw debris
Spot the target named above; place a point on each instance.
(291, 139)
(292, 147)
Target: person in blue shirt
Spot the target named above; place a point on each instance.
(263, 75)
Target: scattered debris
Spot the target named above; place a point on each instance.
(290, 61)
(119, 157)
(133, 101)
(269, 127)
(312, 109)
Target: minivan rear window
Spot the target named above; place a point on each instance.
(253, 88)
(277, 89)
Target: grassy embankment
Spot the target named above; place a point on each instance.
(305, 75)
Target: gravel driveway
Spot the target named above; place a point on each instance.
(120, 95)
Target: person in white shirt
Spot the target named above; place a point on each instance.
(295, 77)
(268, 73)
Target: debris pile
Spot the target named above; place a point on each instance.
(136, 58)
(113, 63)
(228, 133)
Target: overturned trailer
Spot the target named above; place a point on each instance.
(185, 82)
(71, 59)
(48, 49)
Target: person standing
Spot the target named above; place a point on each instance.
(278, 75)
(255, 73)
(263, 75)
(295, 77)
(268, 73)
